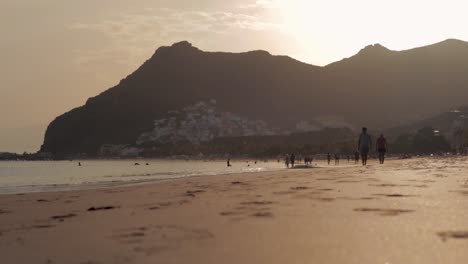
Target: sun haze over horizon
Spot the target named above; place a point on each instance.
(56, 54)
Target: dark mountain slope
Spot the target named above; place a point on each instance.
(402, 86)
(377, 87)
(253, 84)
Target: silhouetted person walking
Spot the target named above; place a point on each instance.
(286, 160)
(337, 159)
(356, 157)
(364, 145)
(381, 148)
(328, 158)
(293, 159)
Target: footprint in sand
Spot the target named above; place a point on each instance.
(230, 213)
(101, 208)
(308, 195)
(395, 195)
(463, 192)
(325, 199)
(389, 185)
(422, 181)
(420, 186)
(3, 211)
(193, 193)
(371, 180)
(263, 215)
(165, 204)
(299, 188)
(238, 183)
(348, 181)
(384, 212)
(155, 239)
(283, 192)
(62, 217)
(326, 179)
(251, 208)
(453, 235)
(42, 226)
(326, 189)
(257, 203)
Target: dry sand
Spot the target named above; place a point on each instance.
(407, 211)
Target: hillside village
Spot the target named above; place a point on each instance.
(202, 122)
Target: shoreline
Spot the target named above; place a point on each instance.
(406, 211)
(46, 188)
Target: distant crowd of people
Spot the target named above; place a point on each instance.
(362, 151)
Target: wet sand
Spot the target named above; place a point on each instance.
(406, 211)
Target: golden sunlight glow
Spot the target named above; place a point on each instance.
(340, 28)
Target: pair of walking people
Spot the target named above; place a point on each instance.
(365, 144)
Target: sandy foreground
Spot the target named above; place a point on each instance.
(406, 211)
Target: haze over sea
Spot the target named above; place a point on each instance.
(39, 176)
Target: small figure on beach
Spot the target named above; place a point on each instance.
(79, 164)
(137, 164)
(356, 157)
(328, 158)
(286, 160)
(381, 148)
(337, 159)
(229, 162)
(293, 159)
(308, 160)
(364, 145)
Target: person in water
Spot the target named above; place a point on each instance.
(328, 158)
(381, 148)
(364, 145)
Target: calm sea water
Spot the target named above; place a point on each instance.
(39, 176)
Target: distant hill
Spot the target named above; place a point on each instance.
(452, 124)
(377, 87)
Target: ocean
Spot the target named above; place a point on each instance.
(44, 176)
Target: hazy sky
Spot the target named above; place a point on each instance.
(54, 54)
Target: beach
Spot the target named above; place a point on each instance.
(405, 211)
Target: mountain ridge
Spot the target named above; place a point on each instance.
(380, 90)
